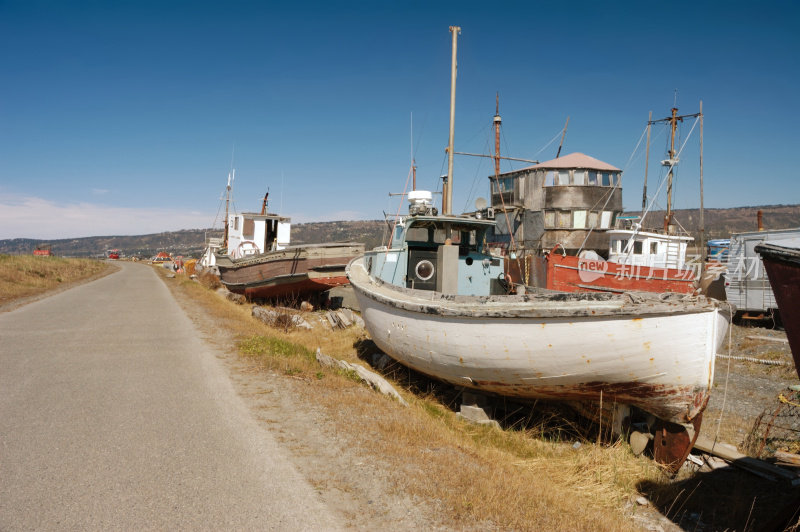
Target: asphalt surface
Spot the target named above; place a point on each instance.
(115, 415)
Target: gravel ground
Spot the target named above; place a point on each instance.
(745, 389)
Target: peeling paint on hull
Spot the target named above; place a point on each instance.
(292, 271)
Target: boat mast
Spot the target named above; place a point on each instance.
(448, 203)
(646, 163)
(673, 121)
(497, 121)
(413, 159)
(231, 175)
(702, 212)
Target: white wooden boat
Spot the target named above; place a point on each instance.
(436, 300)
(655, 352)
(440, 309)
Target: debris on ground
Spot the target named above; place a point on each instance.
(370, 377)
(343, 318)
(281, 317)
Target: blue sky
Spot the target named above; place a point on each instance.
(125, 117)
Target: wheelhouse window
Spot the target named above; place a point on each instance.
(549, 179)
(415, 234)
(579, 219)
(653, 248)
(505, 184)
(564, 219)
(592, 178)
(579, 177)
(637, 247)
(563, 177)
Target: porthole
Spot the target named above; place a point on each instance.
(424, 270)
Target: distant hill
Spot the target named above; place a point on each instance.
(190, 243)
(720, 223)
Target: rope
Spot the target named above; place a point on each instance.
(759, 360)
(725, 392)
(549, 143)
(396, 216)
(625, 168)
(475, 179)
(782, 398)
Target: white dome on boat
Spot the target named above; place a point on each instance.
(420, 196)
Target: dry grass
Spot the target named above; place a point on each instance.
(523, 478)
(529, 476)
(27, 275)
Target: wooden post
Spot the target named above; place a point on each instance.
(448, 207)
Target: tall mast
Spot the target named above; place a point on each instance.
(448, 206)
(227, 204)
(646, 162)
(673, 121)
(497, 121)
(702, 212)
(413, 160)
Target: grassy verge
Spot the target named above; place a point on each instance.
(529, 476)
(24, 276)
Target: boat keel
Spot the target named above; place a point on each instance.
(673, 442)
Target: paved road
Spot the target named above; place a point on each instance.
(115, 415)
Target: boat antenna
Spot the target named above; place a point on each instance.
(265, 203)
(563, 134)
(448, 204)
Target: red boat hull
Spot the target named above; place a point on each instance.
(573, 274)
(783, 269)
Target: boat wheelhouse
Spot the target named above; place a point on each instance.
(259, 261)
(570, 201)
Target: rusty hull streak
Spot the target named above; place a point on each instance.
(667, 402)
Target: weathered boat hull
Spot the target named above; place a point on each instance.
(783, 269)
(569, 273)
(657, 356)
(291, 272)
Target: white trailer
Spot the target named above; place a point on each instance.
(746, 283)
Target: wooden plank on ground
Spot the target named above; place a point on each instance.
(768, 338)
(754, 465)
